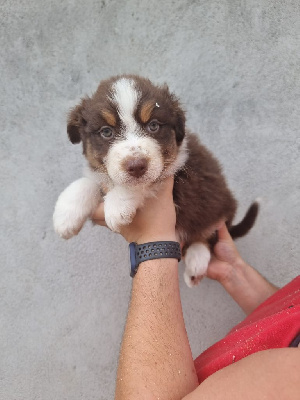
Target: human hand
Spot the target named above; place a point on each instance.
(155, 221)
(225, 258)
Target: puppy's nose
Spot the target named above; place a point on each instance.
(136, 167)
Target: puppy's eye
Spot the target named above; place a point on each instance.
(153, 126)
(106, 132)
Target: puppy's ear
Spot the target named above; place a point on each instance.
(75, 122)
(180, 124)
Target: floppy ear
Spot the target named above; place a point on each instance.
(75, 122)
(180, 125)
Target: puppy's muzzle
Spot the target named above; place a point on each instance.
(135, 166)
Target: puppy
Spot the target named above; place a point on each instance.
(133, 136)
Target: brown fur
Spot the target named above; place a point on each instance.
(200, 190)
(146, 111)
(109, 117)
(201, 194)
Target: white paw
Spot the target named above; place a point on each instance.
(196, 260)
(120, 205)
(74, 206)
(66, 221)
(118, 215)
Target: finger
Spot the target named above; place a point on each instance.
(169, 182)
(223, 233)
(99, 222)
(99, 214)
(167, 185)
(165, 192)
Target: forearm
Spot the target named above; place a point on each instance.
(247, 286)
(155, 358)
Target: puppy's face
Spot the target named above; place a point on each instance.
(130, 130)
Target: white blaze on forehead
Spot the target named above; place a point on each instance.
(126, 97)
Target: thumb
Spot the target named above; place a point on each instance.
(223, 233)
(98, 217)
(167, 186)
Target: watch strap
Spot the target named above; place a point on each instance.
(152, 251)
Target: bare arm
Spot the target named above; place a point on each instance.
(155, 358)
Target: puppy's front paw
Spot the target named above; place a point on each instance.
(66, 220)
(117, 215)
(74, 206)
(196, 262)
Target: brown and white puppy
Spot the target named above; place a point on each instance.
(133, 135)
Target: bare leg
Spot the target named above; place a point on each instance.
(245, 285)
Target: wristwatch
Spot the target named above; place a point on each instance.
(152, 251)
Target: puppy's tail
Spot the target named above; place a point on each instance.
(243, 227)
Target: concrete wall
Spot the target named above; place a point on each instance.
(235, 65)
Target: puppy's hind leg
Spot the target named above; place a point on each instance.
(196, 260)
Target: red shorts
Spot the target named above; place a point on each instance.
(274, 324)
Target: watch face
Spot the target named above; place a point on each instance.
(133, 266)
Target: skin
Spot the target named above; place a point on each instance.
(245, 285)
(155, 358)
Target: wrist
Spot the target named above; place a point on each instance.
(156, 268)
(156, 237)
(153, 250)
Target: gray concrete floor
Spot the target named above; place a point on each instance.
(235, 66)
